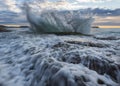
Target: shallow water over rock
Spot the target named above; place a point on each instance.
(28, 59)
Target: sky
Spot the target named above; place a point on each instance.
(11, 8)
(110, 4)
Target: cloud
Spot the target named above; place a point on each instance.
(12, 5)
(87, 1)
(2, 5)
(108, 20)
(10, 11)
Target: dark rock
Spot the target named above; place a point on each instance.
(3, 29)
(90, 44)
(100, 81)
(107, 38)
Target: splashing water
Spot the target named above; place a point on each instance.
(50, 60)
(56, 17)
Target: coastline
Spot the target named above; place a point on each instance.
(27, 26)
(86, 58)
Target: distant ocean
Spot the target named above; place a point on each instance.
(104, 30)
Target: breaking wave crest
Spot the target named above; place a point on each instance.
(55, 17)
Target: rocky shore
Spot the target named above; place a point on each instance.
(28, 59)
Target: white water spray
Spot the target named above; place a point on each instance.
(56, 17)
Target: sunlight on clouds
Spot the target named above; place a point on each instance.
(109, 26)
(12, 5)
(59, 5)
(108, 20)
(93, 1)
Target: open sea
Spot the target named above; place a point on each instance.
(105, 30)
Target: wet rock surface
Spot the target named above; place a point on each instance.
(49, 60)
